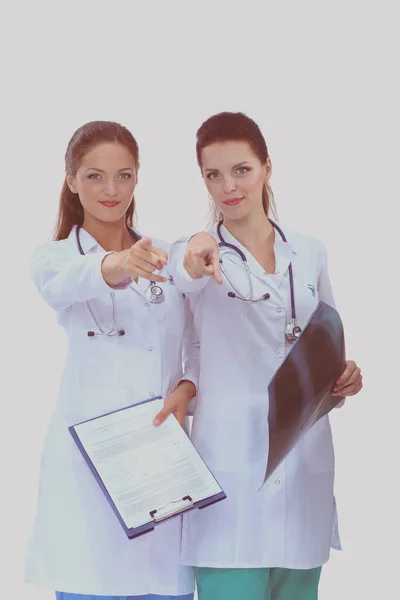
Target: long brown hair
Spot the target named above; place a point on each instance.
(229, 127)
(70, 210)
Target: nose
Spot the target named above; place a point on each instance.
(111, 188)
(229, 185)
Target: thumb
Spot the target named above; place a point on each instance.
(162, 415)
(145, 243)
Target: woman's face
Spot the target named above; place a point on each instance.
(235, 178)
(105, 181)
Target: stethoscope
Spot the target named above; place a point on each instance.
(154, 294)
(292, 331)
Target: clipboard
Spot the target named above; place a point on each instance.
(157, 514)
(300, 390)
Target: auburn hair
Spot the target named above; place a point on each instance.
(70, 210)
(228, 127)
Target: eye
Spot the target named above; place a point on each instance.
(125, 175)
(94, 176)
(242, 170)
(212, 175)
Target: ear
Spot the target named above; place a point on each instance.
(71, 184)
(268, 170)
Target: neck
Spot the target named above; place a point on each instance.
(110, 236)
(252, 231)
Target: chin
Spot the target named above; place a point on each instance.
(110, 218)
(235, 213)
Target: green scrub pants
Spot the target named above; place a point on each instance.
(257, 584)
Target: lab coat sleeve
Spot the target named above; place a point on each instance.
(64, 278)
(325, 289)
(191, 354)
(180, 276)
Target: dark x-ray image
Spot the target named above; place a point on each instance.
(300, 391)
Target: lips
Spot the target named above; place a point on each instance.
(109, 203)
(233, 201)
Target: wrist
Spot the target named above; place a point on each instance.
(187, 389)
(201, 236)
(114, 270)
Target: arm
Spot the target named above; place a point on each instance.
(350, 381)
(325, 292)
(191, 352)
(182, 400)
(64, 277)
(193, 262)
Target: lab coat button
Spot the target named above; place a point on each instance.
(151, 393)
(277, 352)
(278, 310)
(150, 348)
(277, 481)
(147, 304)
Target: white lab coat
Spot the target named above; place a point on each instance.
(77, 544)
(291, 522)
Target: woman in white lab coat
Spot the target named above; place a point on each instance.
(123, 348)
(269, 542)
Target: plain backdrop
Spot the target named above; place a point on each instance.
(320, 78)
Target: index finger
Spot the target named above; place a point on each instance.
(217, 269)
(160, 253)
(151, 276)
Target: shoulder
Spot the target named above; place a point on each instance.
(304, 244)
(50, 256)
(52, 247)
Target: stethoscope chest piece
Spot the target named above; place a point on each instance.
(292, 332)
(155, 293)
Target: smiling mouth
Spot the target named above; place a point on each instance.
(109, 203)
(233, 201)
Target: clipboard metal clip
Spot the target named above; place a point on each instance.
(171, 508)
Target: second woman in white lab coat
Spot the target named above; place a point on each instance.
(122, 349)
(269, 542)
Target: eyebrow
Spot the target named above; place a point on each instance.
(234, 166)
(101, 170)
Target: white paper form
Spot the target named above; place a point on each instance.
(144, 467)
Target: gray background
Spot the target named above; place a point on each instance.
(320, 78)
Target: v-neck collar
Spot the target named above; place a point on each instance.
(283, 256)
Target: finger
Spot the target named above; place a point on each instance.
(217, 269)
(162, 415)
(137, 262)
(144, 243)
(163, 256)
(196, 267)
(208, 270)
(354, 377)
(150, 276)
(203, 252)
(350, 366)
(200, 266)
(348, 390)
(149, 257)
